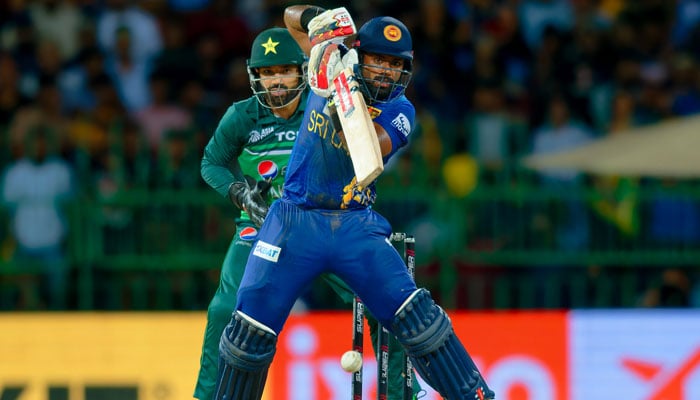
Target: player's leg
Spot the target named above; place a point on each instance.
(289, 254)
(220, 309)
(419, 324)
(246, 350)
(396, 352)
(284, 260)
(427, 334)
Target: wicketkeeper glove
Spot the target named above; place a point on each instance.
(355, 196)
(326, 61)
(250, 196)
(335, 24)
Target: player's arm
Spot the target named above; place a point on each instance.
(296, 19)
(221, 153)
(385, 143)
(318, 25)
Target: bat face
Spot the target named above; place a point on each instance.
(358, 128)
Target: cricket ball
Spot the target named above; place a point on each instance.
(351, 361)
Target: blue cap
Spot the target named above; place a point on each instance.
(385, 35)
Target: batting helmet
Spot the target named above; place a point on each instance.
(387, 36)
(275, 46)
(272, 47)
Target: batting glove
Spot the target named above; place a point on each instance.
(326, 60)
(335, 25)
(250, 196)
(355, 196)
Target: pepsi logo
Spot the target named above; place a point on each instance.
(248, 233)
(267, 169)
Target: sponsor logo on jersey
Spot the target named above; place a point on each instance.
(267, 169)
(256, 136)
(267, 251)
(401, 123)
(248, 233)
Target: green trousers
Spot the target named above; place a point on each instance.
(221, 308)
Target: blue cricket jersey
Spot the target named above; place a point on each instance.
(320, 167)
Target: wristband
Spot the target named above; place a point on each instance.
(309, 14)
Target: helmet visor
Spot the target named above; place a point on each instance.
(274, 91)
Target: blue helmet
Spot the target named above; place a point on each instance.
(384, 36)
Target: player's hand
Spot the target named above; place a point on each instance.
(355, 196)
(250, 196)
(335, 24)
(326, 60)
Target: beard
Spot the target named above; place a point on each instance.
(283, 96)
(382, 86)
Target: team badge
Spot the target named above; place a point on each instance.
(373, 112)
(392, 33)
(267, 169)
(248, 234)
(270, 46)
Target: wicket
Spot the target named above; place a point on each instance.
(383, 335)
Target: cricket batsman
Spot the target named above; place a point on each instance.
(245, 161)
(324, 222)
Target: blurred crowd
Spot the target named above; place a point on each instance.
(110, 95)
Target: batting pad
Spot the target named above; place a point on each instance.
(245, 354)
(426, 333)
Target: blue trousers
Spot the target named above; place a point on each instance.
(296, 245)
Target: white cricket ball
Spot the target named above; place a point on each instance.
(351, 361)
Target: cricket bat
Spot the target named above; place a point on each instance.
(358, 128)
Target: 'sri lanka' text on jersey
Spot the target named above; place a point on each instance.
(320, 165)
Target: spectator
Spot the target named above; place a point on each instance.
(219, 19)
(11, 98)
(45, 111)
(685, 77)
(212, 66)
(513, 55)
(162, 114)
(536, 15)
(177, 168)
(492, 137)
(560, 133)
(89, 130)
(674, 290)
(60, 21)
(121, 15)
(74, 82)
(23, 47)
(36, 188)
(177, 62)
(130, 74)
(132, 150)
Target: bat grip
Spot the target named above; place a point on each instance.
(335, 120)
